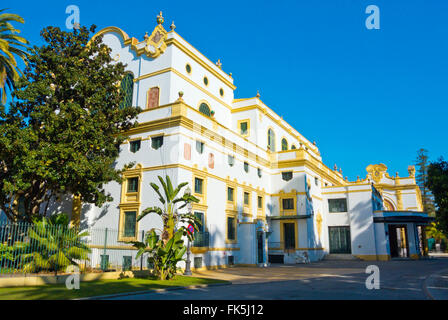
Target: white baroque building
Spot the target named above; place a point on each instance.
(265, 193)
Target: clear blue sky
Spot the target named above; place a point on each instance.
(365, 96)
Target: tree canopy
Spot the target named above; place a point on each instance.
(421, 178)
(63, 130)
(438, 184)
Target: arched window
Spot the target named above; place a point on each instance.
(127, 86)
(284, 144)
(293, 147)
(271, 140)
(204, 109)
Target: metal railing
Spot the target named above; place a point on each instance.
(32, 248)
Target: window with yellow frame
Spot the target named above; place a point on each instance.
(231, 227)
(247, 203)
(288, 204)
(244, 127)
(199, 183)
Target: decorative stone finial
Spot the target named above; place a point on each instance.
(230, 74)
(258, 94)
(181, 94)
(346, 178)
(219, 64)
(160, 18)
(396, 174)
(314, 142)
(357, 178)
(340, 170)
(172, 26)
(411, 170)
(335, 167)
(146, 35)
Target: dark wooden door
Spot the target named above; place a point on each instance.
(340, 241)
(260, 246)
(289, 235)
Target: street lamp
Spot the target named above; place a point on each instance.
(188, 262)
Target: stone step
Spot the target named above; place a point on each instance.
(340, 256)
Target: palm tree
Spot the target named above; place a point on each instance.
(52, 246)
(10, 44)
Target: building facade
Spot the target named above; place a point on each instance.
(265, 193)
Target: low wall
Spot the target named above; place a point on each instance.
(36, 280)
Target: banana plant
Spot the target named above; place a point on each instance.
(171, 204)
(163, 257)
(167, 249)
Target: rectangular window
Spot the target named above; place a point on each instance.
(133, 184)
(197, 262)
(244, 128)
(201, 224)
(130, 220)
(246, 198)
(156, 142)
(127, 263)
(287, 175)
(231, 228)
(316, 181)
(198, 185)
(260, 202)
(231, 160)
(135, 145)
(230, 194)
(337, 205)
(246, 167)
(259, 172)
(200, 147)
(288, 204)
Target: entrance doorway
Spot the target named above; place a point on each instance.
(340, 240)
(398, 241)
(289, 236)
(260, 247)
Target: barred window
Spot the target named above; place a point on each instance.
(156, 142)
(230, 193)
(337, 205)
(231, 228)
(127, 87)
(287, 175)
(204, 109)
(288, 204)
(130, 219)
(135, 145)
(133, 184)
(198, 184)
